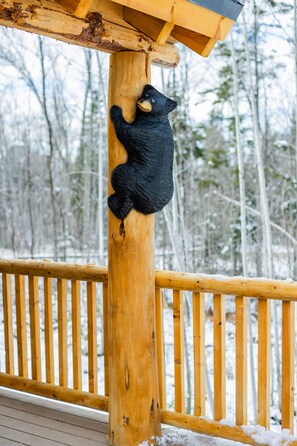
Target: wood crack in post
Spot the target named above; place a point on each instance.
(126, 420)
(153, 413)
(122, 230)
(127, 378)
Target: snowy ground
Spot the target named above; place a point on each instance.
(180, 437)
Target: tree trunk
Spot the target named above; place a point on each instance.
(100, 170)
(243, 220)
(295, 67)
(268, 254)
(50, 157)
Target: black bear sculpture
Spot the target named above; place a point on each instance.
(145, 181)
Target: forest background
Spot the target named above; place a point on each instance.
(234, 209)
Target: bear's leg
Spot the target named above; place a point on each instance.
(120, 207)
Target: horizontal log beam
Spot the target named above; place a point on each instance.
(217, 284)
(53, 392)
(234, 286)
(200, 425)
(57, 270)
(212, 428)
(50, 19)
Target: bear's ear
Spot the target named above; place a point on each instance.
(147, 87)
(170, 104)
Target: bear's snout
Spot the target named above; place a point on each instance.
(145, 105)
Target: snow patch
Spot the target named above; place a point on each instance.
(182, 437)
(262, 436)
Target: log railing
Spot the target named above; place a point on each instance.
(49, 299)
(39, 361)
(240, 289)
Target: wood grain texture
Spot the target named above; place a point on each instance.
(132, 343)
(8, 326)
(196, 424)
(39, 429)
(62, 332)
(105, 336)
(58, 270)
(165, 33)
(184, 14)
(20, 303)
(288, 346)
(156, 29)
(92, 337)
(241, 360)
(51, 19)
(199, 353)
(48, 331)
(35, 327)
(214, 428)
(197, 42)
(76, 335)
(235, 286)
(264, 362)
(179, 350)
(160, 347)
(219, 331)
(54, 392)
(82, 8)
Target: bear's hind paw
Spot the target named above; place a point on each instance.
(119, 207)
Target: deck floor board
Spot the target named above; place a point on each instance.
(6, 442)
(28, 424)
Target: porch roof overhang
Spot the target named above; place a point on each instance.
(127, 25)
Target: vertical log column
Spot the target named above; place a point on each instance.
(133, 387)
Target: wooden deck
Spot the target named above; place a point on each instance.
(31, 421)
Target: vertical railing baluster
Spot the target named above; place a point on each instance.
(199, 353)
(179, 354)
(76, 335)
(160, 347)
(62, 332)
(105, 337)
(241, 360)
(20, 303)
(8, 327)
(35, 327)
(264, 362)
(92, 337)
(219, 324)
(48, 331)
(288, 346)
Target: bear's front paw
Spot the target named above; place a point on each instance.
(115, 112)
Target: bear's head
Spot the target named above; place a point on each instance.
(154, 102)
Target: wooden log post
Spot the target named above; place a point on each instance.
(133, 384)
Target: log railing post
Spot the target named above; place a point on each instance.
(133, 386)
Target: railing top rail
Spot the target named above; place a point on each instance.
(217, 284)
(235, 286)
(58, 270)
